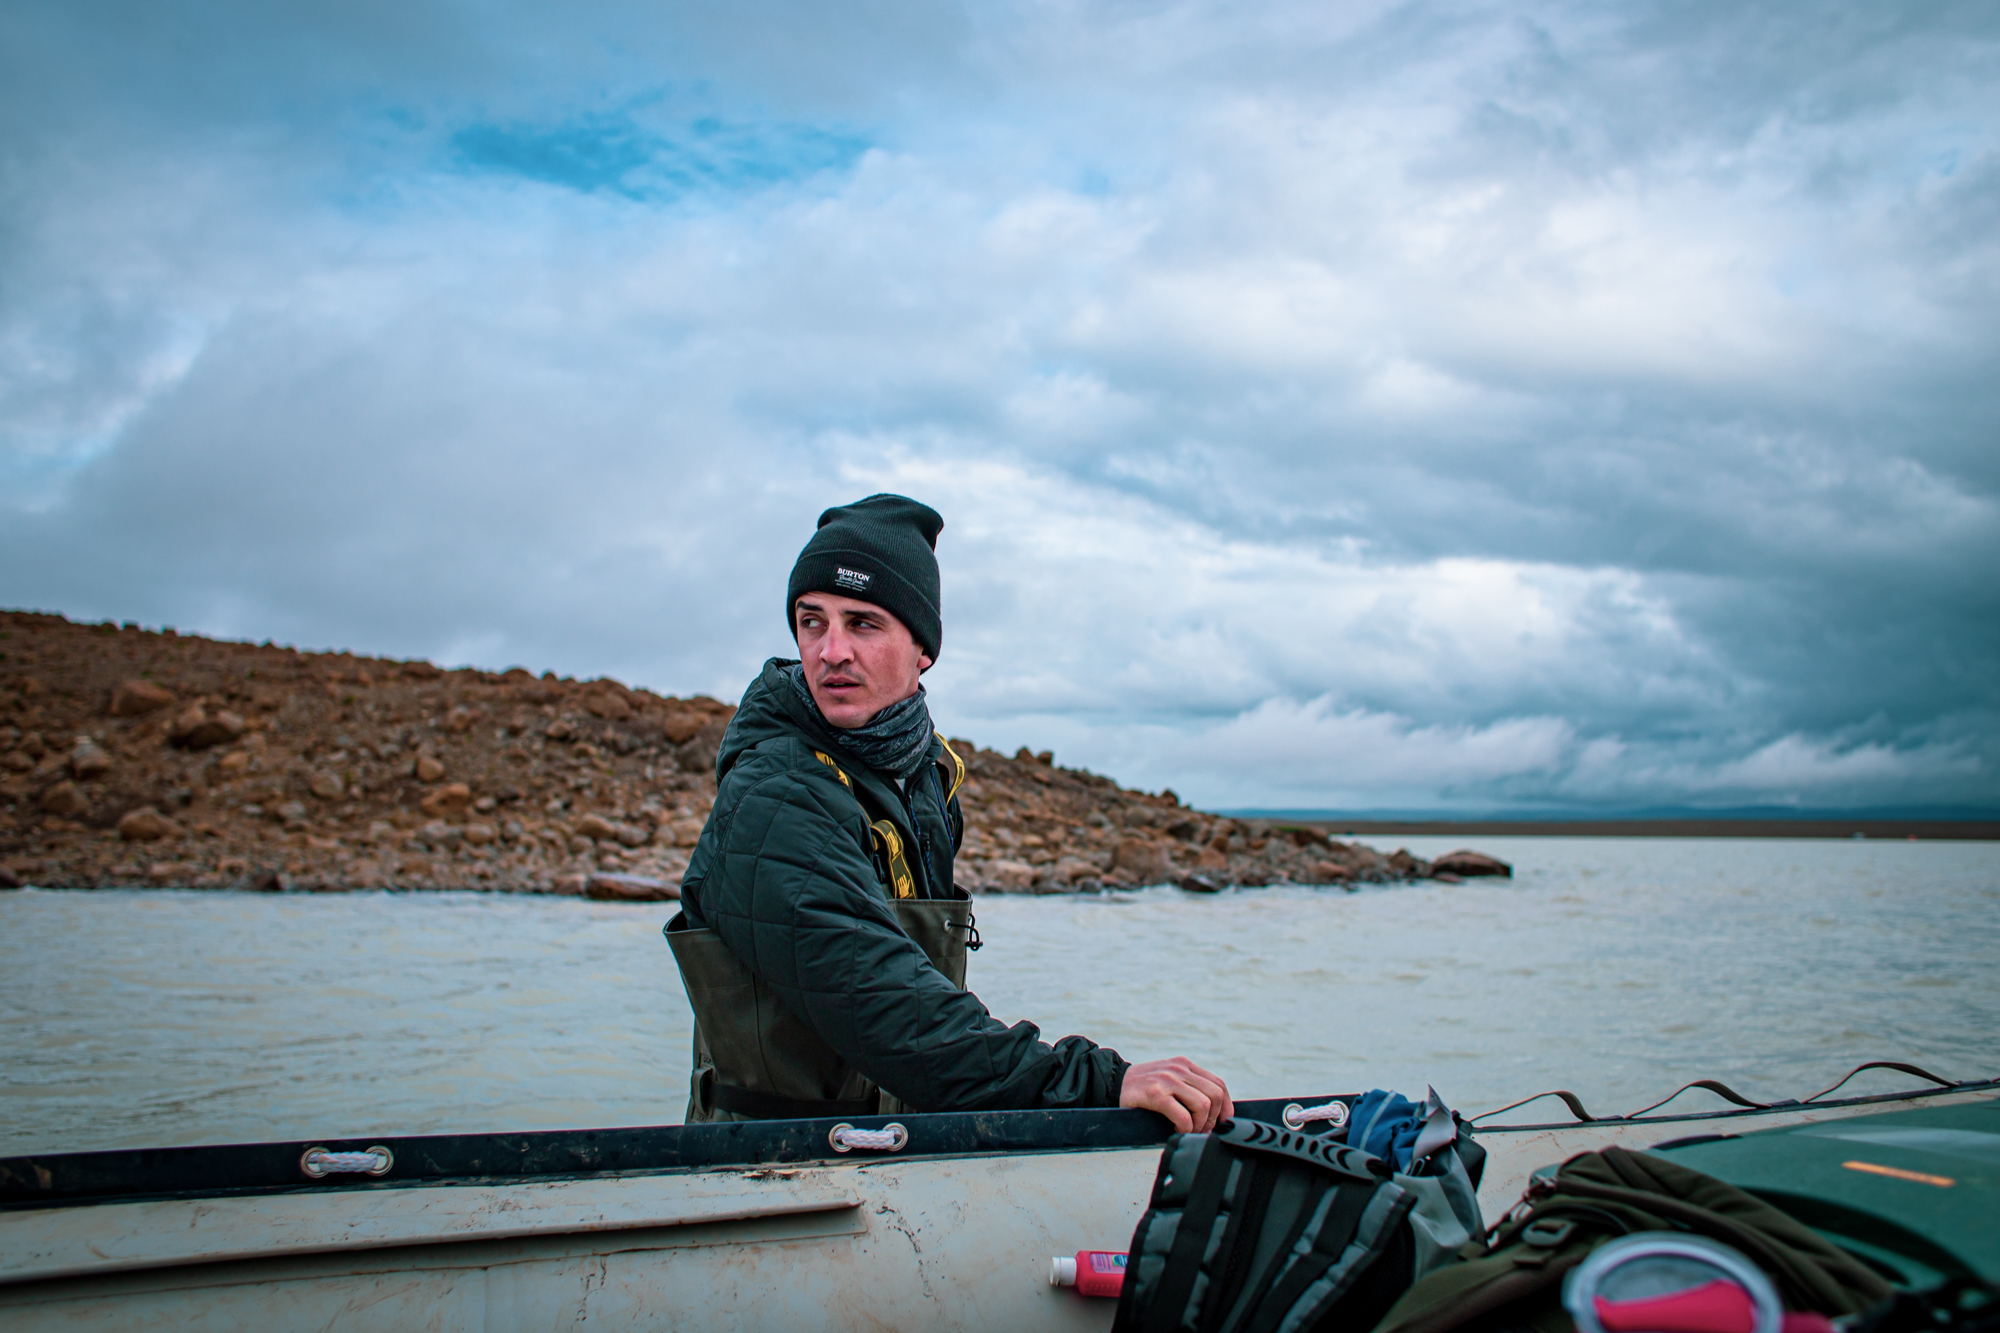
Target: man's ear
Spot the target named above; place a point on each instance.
(923, 663)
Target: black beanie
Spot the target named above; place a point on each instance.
(881, 550)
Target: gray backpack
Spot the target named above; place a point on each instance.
(1263, 1229)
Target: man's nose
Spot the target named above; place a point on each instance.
(836, 647)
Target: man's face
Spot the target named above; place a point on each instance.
(859, 659)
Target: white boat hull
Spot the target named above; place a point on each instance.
(924, 1242)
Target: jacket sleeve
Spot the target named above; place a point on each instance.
(792, 892)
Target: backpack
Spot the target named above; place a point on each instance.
(1513, 1278)
(1256, 1228)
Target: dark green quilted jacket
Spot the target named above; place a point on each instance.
(786, 876)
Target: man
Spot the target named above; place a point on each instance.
(821, 939)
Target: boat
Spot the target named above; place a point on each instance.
(944, 1221)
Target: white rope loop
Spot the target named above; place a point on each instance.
(317, 1162)
(890, 1138)
(1298, 1117)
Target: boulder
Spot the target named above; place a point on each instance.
(597, 828)
(136, 698)
(1199, 884)
(427, 768)
(146, 825)
(1141, 861)
(1468, 864)
(89, 759)
(681, 724)
(292, 814)
(1009, 876)
(326, 785)
(1074, 869)
(1407, 866)
(479, 834)
(608, 705)
(630, 889)
(63, 800)
(1331, 872)
(179, 873)
(195, 728)
(685, 832)
(698, 754)
(451, 799)
(440, 836)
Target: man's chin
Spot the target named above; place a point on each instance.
(846, 715)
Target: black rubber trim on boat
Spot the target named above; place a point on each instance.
(117, 1176)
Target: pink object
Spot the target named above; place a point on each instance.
(1091, 1272)
(1713, 1307)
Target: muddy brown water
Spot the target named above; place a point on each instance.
(1616, 968)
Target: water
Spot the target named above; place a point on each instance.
(1617, 968)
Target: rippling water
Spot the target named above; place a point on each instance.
(1618, 968)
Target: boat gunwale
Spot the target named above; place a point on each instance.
(126, 1175)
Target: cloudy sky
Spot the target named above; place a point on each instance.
(1459, 406)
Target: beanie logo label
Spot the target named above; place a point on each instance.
(852, 579)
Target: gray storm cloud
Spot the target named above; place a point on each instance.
(1413, 406)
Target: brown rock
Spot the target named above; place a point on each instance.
(698, 754)
(1331, 872)
(136, 698)
(596, 827)
(1467, 864)
(479, 834)
(458, 719)
(89, 759)
(427, 768)
(327, 786)
(181, 873)
(608, 705)
(1199, 884)
(680, 724)
(685, 832)
(63, 800)
(1140, 861)
(1070, 869)
(196, 729)
(20, 761)
(146, 825)
(630, 889)
(1407, 866)
(450, 799)
(1009, 876)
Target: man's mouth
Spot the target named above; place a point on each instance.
(839, 683)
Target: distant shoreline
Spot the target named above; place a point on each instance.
(1899, 830)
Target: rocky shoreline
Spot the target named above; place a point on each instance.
(133, 758)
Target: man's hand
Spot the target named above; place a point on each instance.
(1180, 1090)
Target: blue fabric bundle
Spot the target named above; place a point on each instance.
(1386, 1125)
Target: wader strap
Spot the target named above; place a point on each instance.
(953, 765)
(902, 884)
(771, 1106)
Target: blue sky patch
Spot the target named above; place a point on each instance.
(615, 154)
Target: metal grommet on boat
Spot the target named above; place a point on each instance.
(1297, 1117)
(890, 1138)
(317, 1162)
